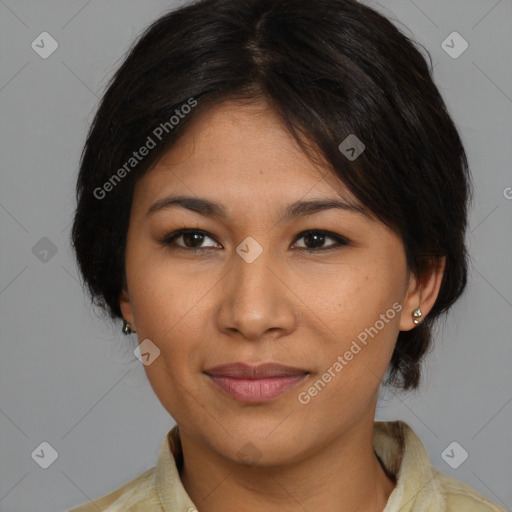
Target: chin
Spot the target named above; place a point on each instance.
(249, 448)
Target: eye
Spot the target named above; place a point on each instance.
(317, 237)
(192, 239)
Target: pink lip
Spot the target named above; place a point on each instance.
(255, 384)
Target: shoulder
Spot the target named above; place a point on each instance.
(157, 487)
(134, 496)
(421, 486)
(459, 496)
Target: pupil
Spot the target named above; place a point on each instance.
(188, 236)
(317, 237)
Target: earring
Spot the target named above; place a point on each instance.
(127, 328)
(416, 314)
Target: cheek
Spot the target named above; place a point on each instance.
(170, 321)
(358, 295)
(163, 314)
(362, 317)
(161, 295)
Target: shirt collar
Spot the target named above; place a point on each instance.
(397, 446)
(173, 496)
(403, 454)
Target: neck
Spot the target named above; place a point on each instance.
(343, 476)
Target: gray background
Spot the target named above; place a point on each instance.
(69, 378)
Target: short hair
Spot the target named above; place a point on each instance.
(330, 69)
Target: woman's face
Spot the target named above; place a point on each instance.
(253, 294)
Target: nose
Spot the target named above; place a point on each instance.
(257, 300)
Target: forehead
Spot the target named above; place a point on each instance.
(240, 152)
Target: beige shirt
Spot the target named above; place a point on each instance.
(419, 486)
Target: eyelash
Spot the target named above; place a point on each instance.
(169, 240)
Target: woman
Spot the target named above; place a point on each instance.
(274, 198)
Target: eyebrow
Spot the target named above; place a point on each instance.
(294, 210)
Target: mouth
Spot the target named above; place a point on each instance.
(255, 384)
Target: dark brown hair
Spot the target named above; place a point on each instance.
(330, 68)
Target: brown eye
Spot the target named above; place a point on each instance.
(315, 240)
(192, 239)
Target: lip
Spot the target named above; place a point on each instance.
(255, 384)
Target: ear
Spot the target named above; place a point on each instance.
(422, 291)
(126, 308)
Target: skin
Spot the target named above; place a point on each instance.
(288, 306)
